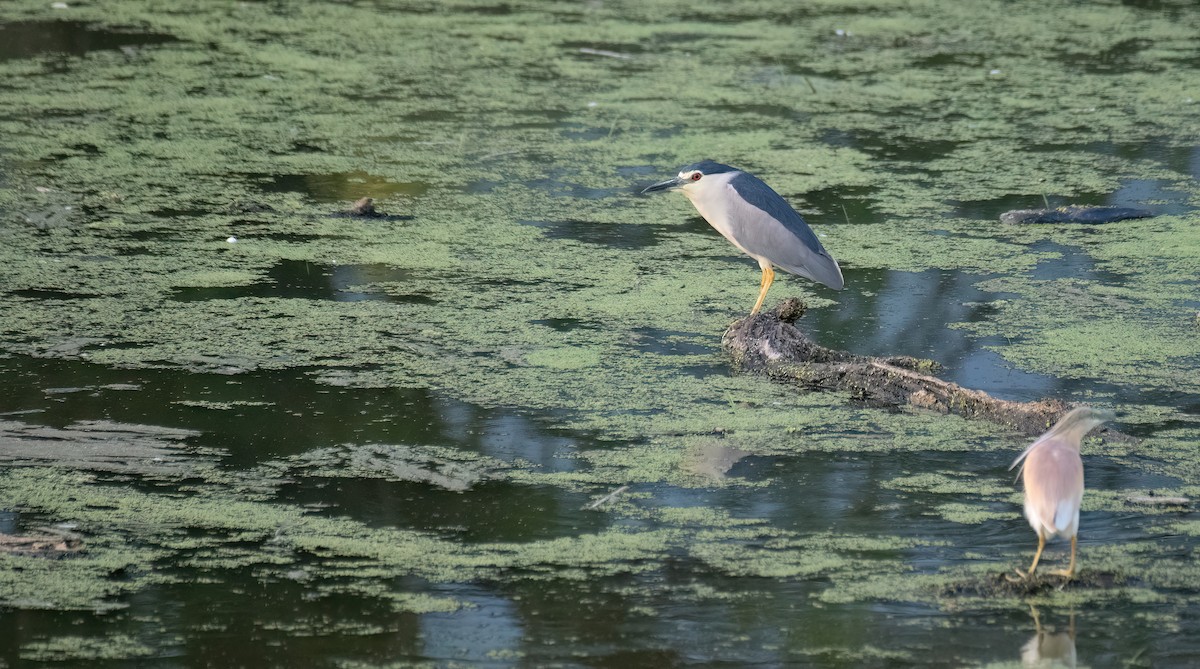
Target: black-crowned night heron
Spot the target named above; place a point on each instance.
(754, 218)
(1053, 475)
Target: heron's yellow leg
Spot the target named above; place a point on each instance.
(768, 276)
(1070, 570)
(1036, 556)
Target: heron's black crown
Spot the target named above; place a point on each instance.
(707, 167)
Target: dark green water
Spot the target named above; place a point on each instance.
(391, 442)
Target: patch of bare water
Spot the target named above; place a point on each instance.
(30, 39)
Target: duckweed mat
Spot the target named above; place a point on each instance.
(496, 426)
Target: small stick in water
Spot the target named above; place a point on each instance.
(606, 498)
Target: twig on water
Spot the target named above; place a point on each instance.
(1158, 500)
(606, 498)
(605, 53)
(500, 154)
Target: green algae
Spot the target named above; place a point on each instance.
(153, 530)
(72, 648)
(86, 582)
(969, 514)
(432, 244)
(836, 557)
(144, 450)
(476, 126)
(949, 483)
(447, 468)
(220, 406)
(217, 532)
(150, 530)
(1074, 328)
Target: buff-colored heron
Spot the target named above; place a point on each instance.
(1053, 476)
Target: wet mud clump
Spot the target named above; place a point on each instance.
(53, 543)
(769, 343)
(364, 207)
(1007, 584)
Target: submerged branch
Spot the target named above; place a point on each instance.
(769, 343)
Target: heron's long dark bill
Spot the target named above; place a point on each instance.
(665, 185)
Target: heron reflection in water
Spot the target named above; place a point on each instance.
(1047, 649)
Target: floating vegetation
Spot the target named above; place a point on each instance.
(373, 439)
(443, 467)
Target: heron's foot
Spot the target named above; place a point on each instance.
(1068, 573)
(1021, 576)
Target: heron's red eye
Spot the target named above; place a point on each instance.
(696, 176)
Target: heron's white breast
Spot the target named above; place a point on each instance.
(714, 202)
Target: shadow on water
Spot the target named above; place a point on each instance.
(491, 511)
(1120, 58)
(840, 204)
(1157, 196)
(47, 294)
(669, 342)
(300, 279)
(1072, 263)
(1160, 196)
(244, 416)
(892, 312)
(907, 313)
(267, 417)
(346, 186)
(883, 146)
(615, 235)
(27, 39)
(621, 235)
(568, 324)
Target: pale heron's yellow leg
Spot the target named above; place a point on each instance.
(1036, 556)
(1070, 570)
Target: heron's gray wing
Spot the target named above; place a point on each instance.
(782, 236)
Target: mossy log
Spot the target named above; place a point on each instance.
(1074, 214)
(769, 343)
